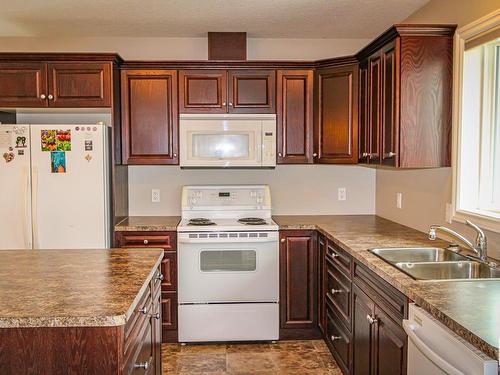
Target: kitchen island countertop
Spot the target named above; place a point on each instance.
(73, 288)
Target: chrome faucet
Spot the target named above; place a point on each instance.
(479, 247)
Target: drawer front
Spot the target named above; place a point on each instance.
(385, 295)
(339, 258)
(338, 294)
(136, 322)
(169, 271)
(142, 359)
(164, 240)
(339, 341)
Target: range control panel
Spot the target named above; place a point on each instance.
(226, 196)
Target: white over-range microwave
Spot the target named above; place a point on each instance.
(227, 140)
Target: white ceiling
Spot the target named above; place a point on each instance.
(193, 18)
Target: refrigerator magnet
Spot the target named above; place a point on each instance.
(88, 157)
(8, 156)
(89, 145)
(58, 162)
(63, 140)
(21, 142)
(48, 140)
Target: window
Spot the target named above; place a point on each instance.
(477, 123)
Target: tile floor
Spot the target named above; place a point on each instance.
(284, 357)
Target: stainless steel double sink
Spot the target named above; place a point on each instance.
(433, 263)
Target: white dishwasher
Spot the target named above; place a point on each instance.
(433, 349)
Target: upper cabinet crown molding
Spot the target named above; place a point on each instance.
(56, 56)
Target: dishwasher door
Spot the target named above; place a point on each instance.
(433, 349)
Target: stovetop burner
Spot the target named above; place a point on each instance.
(252, 221)
(200, 221)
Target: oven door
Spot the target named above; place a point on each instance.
(224, 270)
(220, 143)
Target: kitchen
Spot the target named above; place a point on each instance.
(268, 196)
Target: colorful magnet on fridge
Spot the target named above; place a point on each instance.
(63, 140)
(8, 156)
(88, 157)
(48, 140)
(58, 162)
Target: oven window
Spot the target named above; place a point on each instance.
(228, 260)
(221, 145)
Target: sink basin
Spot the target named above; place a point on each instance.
(417, 254)
(464, 270)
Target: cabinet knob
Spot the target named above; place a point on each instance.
(333, 255)
(223, 104)
(50, 97)
(315, 155)
(365, 154)
(175, 155)
(42, 96)
(390, 154)
(160, 277)
(371, 319)
(282, 240)
(144, 365)
(230, 104)
(335, 291)
(280, 154)
(145, 242)
(144, 310)
(333, 337)
(156, 316)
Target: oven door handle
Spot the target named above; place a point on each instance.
(227, 240)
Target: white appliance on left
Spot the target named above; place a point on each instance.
(54, 186)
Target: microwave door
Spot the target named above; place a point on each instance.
(214, 143)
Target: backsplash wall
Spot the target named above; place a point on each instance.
(295, 189)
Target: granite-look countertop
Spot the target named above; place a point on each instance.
(73, 288)
(148, 224)
(469, 308)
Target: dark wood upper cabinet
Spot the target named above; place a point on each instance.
(23, 84)
(295, 116)
(298, 282)
(364, 133)
(79, 84)
(336, 123)
(203, 91)
(251, 91)
(408, 100)
(149, 117)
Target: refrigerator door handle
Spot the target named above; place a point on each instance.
(27, 237)
(35, 208)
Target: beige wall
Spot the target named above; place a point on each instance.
(295, 189)
(426, 192)
(185, 48)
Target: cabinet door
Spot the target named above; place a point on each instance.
(363, 333)
(364, 134)
(251, 91)
(298, 278)
(374, 106)
(390, 348)
(169, 316)
(149, 117)
(79, 84)
(23, 84)
(295, 116)
(321, 283)
(202, 91)
(336, 127)
(390, 113)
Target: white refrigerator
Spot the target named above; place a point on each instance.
(54, 190)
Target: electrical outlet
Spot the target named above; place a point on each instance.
(399, 200)
(155, 195)
(342, 194)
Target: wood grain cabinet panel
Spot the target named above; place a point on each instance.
(322, 283)
(251, 91)
(336, 127)
(79, 84)
(363, 333)
(364, 131)
(23, 84)
(149, 117)
(203, 91)
(295, 116)
(298, 279)
(374, 107)
(390, 108)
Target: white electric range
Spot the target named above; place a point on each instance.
(228, 264)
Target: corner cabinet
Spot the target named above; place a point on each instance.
(227, 91)
(149, 116)
(405, 90)
(298, 285)
(336, 122)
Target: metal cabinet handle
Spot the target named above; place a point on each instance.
(365, 154)
(144, 365)
(335, 291)
(156, 316)
(42, 96)
(371, 319)
(160, 277)
(145, 242)
(224, 104)
(333, 337)
(144, 310)
(50, 96)
(315, 155)
(175, 155)
(282, 240)
(230, 104)
(333, 255)
(390, 154)
(280, 154)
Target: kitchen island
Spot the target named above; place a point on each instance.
(80, 311)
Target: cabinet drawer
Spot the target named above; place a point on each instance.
(141, 359)
(381, 292)
(338, 294)
(339, 258)
(339, 341)
(164, 240)
(137, 320)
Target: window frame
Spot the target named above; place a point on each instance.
(486, 219)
